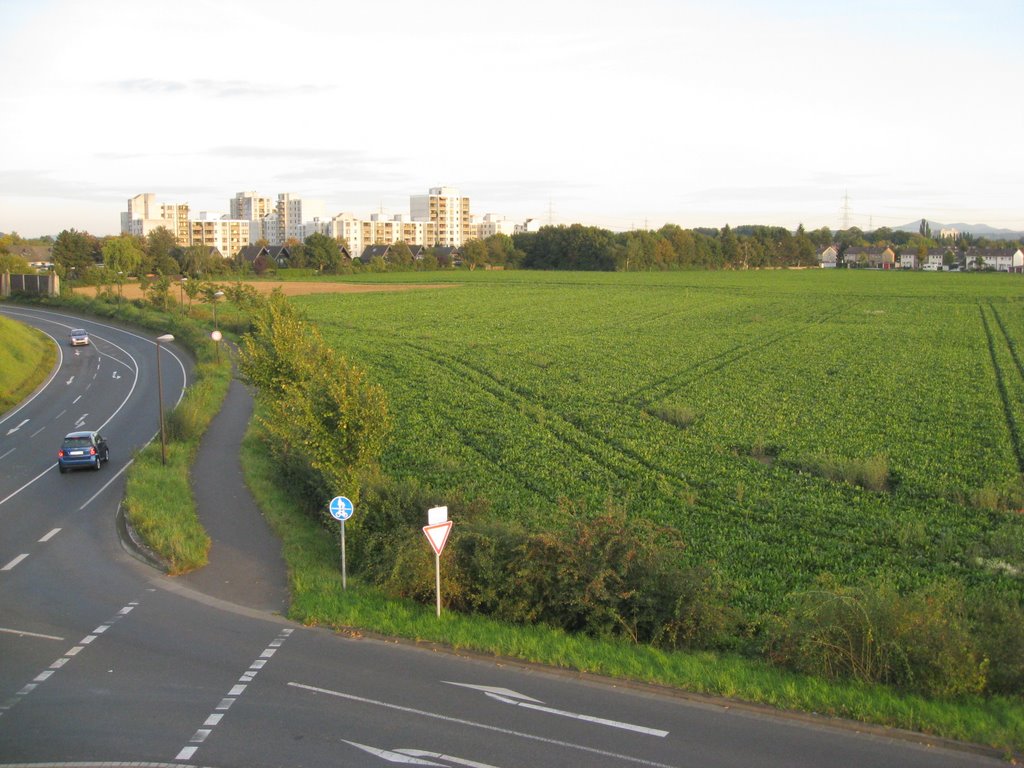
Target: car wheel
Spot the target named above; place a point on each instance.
(62, 468)
(99, 462)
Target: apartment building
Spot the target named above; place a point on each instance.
(228, 235)
(492, 224)
(292, 213)
(448, 211)
(252, 207)
(144, 215)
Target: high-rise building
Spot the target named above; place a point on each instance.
(292, 215)
(144, 215)
(227, 235)
(252, 207)
(448, 211)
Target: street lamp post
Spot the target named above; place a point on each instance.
(166, 339)
(216, 336)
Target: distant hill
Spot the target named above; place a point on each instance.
(978, 230)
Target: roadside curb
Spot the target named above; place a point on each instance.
(133, 544)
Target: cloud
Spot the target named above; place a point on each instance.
(217, 89)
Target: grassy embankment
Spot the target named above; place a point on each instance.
(26, 357)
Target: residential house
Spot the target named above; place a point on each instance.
(871, 258)
(829, 258)
(998, 259)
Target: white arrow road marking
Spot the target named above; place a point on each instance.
(449, 758)
(15, 429)
(72, 378)
(482, 726)
(22, 633)
(491, 689)
(392, 757)
(117, 375)
(81, 420)
(519, 700)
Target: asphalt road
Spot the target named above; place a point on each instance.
(104, 660)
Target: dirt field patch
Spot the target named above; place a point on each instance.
(133, 291)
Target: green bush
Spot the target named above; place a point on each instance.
(918, 641)
(602, 575)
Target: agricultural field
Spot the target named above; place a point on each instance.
(788, 423)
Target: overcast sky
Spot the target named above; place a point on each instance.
(621, 114)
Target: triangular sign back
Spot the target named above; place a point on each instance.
(437, 535)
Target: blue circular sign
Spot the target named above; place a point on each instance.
(341, 508)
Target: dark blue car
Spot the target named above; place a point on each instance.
(82, 449)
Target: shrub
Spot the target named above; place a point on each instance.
(918, 641)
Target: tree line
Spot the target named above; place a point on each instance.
(563, 247)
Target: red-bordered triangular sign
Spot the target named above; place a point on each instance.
(437, 535)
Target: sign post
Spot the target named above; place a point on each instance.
(341, 510)
(437, 529)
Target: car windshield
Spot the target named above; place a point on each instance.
(78, 332)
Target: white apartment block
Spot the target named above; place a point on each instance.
(448, 211)
(492, 224)
(345, 226)
(227, 235)
(144, 215)
(381, 231)
(292, 215)
(252, 207)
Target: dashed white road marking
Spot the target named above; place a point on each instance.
(237, 690)
(14, 563)
(50, 535)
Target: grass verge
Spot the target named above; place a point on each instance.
(318, 599)
(26, 357)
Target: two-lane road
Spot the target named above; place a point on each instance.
(103, 660)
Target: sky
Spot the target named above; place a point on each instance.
(608, 113)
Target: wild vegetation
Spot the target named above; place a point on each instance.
(784, 427)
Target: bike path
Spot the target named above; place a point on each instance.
(245, 562)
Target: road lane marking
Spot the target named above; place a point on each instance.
(237, 690)
(22, 633)
(59, 663)
(14, 563)
(585, 718)
(50, 535)
(15, 429)
(482, 726)
(75, 401)
(8, 453)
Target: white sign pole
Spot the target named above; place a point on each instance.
(437, 573)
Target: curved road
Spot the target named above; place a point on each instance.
(103, 660)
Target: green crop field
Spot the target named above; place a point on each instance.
(789, 423)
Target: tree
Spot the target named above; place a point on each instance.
(320, 410)
(322, 252)
(474, 253)
(122, 255)
(14, 264)
(925, 229)
(400, 255)
(73, 252)
(161, 247)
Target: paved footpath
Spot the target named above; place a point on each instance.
(246, 566)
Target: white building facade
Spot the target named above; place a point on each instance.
(448, 211)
